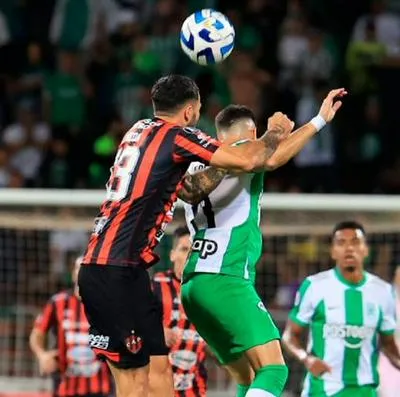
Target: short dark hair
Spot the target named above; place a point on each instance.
(232, 113)
(348, 225)
(178, 233)
(170, 92)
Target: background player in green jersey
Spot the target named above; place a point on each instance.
(349, 313)
(218, 291)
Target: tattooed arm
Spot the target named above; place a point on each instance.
(199, 185)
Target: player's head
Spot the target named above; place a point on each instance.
(349, 246)
(177, 97)
(235, 122)
(180, 249)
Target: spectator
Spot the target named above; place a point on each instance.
(26, 141)
(387, 26)
(56, 171)
(105, 148)
(33, 77)
(129, 90)
(361, 56)
(317, 62)
(100, 75)
(75, 23)
(315, 162)
(145, 60)
(292, 45)
(64, 90)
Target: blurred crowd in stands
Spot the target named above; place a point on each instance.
(75, 74)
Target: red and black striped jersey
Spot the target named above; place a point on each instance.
(141, 192)
(81, 373)
(188, 354)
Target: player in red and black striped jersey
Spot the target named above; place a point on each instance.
(187, 350)
(114, 284)
(76, 370)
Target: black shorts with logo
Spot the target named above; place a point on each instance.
(124, 315)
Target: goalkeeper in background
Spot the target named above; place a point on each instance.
(349, 313)
(218, 291)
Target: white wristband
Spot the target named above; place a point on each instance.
(318, 122)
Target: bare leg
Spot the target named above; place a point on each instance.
(160, 378)
(268, 354)
(241, 371)
(131, 382)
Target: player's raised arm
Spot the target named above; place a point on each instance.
(291, 146)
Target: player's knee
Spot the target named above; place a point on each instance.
(160, 372)
(131, 382)
(271, 378)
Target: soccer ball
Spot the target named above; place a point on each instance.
(207, 37)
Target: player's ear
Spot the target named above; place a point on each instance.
(172, 255)
(188, 113)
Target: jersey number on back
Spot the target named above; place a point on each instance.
(121, 173)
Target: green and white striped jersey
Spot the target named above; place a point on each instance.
(345, 321)
(225, 227)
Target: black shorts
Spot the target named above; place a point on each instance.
(124, 315)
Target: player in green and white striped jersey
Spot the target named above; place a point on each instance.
(349, 313)
(218, 291)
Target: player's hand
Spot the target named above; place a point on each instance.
(48, 362)
(171, 336)
(316, 366)
(331, 104)
(280, 123)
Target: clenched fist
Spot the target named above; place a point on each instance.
(281, 124)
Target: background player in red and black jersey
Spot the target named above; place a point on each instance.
(76, 370)
(125, 317)
(187, 350)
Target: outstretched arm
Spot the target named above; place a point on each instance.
(293, 144)
(256, 155)
(199, 185)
